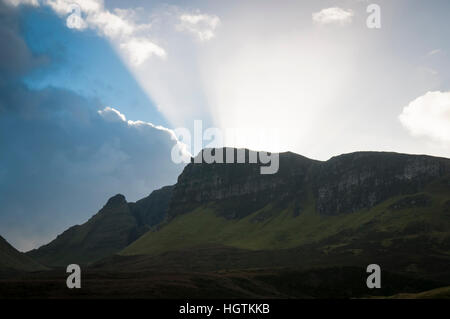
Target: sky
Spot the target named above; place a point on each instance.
(92, 92)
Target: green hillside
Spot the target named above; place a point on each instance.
(402, 217)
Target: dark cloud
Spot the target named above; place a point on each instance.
(15, 57)
(60, 159)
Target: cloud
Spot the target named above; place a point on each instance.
(62, 154)
(428, 116)
(119, 26)
(112, 115)
(434, 52)
(65, 156)
(16, 3)
(333, 15)
(139, 50)
(15, 57)
(66, 6)
(201, 25)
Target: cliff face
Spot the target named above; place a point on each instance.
(351, 182)
(152, 210)
(343, 184)
(239, 189)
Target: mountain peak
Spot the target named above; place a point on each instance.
(116, 200)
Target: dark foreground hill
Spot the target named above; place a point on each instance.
(113, 228)
(11, 259)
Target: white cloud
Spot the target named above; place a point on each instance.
(429, 116)
(201, 25)
(131, 38)
(111, 114)
(110, 24)
(16, 3)
(65, 6)
(333, 15)
(140, 49)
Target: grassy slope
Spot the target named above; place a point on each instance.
(439, 293)
(284, 230)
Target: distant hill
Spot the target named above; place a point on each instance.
(11, 259)
(113, 228)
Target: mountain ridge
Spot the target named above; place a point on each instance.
(328, 203)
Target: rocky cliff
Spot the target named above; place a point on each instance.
(241, 183)
(343, 184)
(356, 181)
